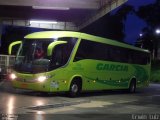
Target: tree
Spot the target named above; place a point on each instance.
(150, 14)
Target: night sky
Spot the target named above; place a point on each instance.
(133, 24)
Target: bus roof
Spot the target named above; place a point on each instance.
(57, 34)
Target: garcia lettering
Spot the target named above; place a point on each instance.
(111, 67)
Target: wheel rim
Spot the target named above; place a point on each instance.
(74, 88)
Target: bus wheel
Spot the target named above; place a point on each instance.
(75, 88)
(132, 87)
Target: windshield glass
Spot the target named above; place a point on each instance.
(32, 55)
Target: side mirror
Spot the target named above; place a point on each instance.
(12, 45)
(52, 45)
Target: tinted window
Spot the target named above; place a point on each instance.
(62, 52)
(91, 50)
(139, 57)
(99, 51)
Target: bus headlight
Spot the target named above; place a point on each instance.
(13, 76)
(41, 78)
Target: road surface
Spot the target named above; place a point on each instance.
(22, 104)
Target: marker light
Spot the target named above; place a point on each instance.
(42, 78)
(13, 76)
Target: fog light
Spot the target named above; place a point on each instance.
(13, 76)
(42, 78)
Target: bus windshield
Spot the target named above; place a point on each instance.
(32, 55)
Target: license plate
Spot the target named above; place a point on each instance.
(24, 85)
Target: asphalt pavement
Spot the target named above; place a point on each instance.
(117, 105)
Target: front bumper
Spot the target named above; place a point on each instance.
(36, 86)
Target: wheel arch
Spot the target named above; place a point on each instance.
(76, 78)
(132, 79)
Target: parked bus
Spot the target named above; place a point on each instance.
(74, 62)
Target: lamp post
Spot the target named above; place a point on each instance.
(140, 41)
(157, 31)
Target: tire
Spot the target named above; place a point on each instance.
(75, 88)
(132, 87)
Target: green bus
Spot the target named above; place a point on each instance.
(74, 62)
